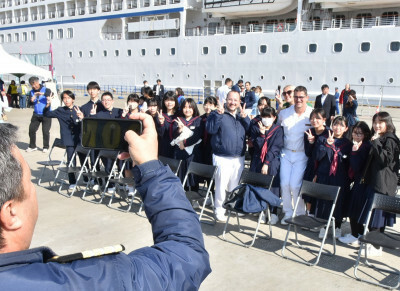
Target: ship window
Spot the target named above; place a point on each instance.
(129, 52)
(50, 34)
(90, 54)
(70, 54)
(222, 76)
(390, 18)
(9, 37)
(2, 38)
(285, 48)
(143, 52)
(338, 47)
(262, 77)
(364, 15)
(335, 79)
(172, 51)
(242, 49)
(394, 46)
(16, 37)
(172, 76)
(70, 32)
(205, 76)
(205, 50)
(283, 78)
(80, 54)
(312, 48)
(24, 36)
(365, 46)
(241, 77)
(158, 51)
(310, 79)
(263, 49)
(60, 33)
(33, 35)
(391, 80)
(362, 80)
(188, 76)
(116, 53)
(105, 53)
(222, 50)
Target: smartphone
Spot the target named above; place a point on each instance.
(108, 134)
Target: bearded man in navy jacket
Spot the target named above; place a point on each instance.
(228, 143)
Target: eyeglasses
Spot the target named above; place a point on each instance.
(299, 97)
(287, 92)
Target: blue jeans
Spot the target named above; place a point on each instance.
(22, 101)
(337, 107)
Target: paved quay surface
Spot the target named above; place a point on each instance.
(69, 225)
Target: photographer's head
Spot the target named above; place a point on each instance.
(107, 100)
(18, 204)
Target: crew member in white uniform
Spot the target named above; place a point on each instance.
(295, 120)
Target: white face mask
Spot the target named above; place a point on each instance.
(267, 121)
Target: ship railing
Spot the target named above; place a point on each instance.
(34, 1)
(2, 5)
(17, 2)
(81, 11)
(106, 7)
(71, 11)
(24, 1)
(24, 18)
(160, 2)
(117, 6)
(42, 16)
(92, 9)
(8, 20)
(34, 16)
(132, 4)
(60, 13)
(52, 14)
(2, 21)
(17, 19)
(9, 3)
(353, 23)
(112, 36)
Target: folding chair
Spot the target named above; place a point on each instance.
(50, 162)
(75, 170)
(322, 192)
(173, 164)
(379, 239)
(101, 175)
(207, 172)
(259, 180)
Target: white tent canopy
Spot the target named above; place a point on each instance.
(14, 66)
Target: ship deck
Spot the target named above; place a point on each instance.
(73, 225)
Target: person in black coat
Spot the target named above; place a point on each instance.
(165, 122)
(158, 90)
(327, 102)
(204, 154)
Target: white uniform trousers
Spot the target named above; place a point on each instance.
(293, 165)
(226, 178)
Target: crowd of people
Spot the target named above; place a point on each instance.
(292, 141)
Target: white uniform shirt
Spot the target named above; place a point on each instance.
(222, 92)
(323, 97)
(294, 127)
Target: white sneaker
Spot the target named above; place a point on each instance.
(111, 190)
(196, 205)
(338, 233)
(72, 186)
(28, 150)
(96, 187)
(283, 221)
(372, 251)
(321, 233)
(221, 217)
(240, 214)
(274, 219)
(131, 191)
(45, 150)
(263, 217)
(349, 239)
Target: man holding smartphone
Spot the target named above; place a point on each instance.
(38, 97)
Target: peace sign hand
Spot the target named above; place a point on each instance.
(330, 139)
(94, 109)
(310, 137)
(125, 111)
(262, 127)
(243, 112)
(356, 145)
(161, 117)
(220, 107)
(180, 124)
(78, 112)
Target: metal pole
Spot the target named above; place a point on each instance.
(380, 99)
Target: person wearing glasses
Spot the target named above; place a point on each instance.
(287, 94)
(295, 120)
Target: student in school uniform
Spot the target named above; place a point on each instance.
(165, 122)
(381, 173)
(204, 154)
(267, 139)
(361, 135)
(332, 156)
(70, 127)
(189, 118)
(317, 121)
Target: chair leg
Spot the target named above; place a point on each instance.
(41, 175)
(204, 207)
(226, 225)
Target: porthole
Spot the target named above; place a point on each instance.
(144, 75)
(365, 47)
(241, 77)
(395, 46)
(172, 51)
(262, 77)
(242, 49)
(143, 52)
(129, 52)
(158, 51)
(283, 78)
(338, 47)
(312, 48)
(391, 80)
(263, 49)
(157, 75)
(310, 79)
(80, 54)
(334, 79)
(222, 50)
(172, 76)
(205, 50)
(116, 53)
(188, 76)
(70, 54)
(205, 76)
(105, 53)
(362, 80)
(285, 48)
(222, 76)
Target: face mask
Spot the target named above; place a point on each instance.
(133, 105)
(267, 121)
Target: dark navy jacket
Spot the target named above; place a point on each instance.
(229, 134)
(165, 132)
(177, 261)
(249, 98)
(86, 108)
(104, 113)
(70, 126)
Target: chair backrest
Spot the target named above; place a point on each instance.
(82, 150)
(386, 203)
(109, 154)
(256, 179)
(173, 164)
(320, 191)
(58, 143)
(202, 170)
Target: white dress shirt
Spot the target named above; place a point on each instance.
(222, 92)
(323, 97)
(294, 126)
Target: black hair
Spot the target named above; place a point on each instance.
(227, 80)
(324, 86)
(92, 85)
(240, 82)
(152, 102)
(364, 128)
(148, 91)
(264, 98)
(132, 98)
(192, 105)
(158, 80)
(107, 94)
(387, 119)
(318, 111)
(353, 94)
(68, 93)
(22, 82)
(268, 112)
(211, 100)
(301, 89)
(169, 95)
(340, 119)
(179, 91)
